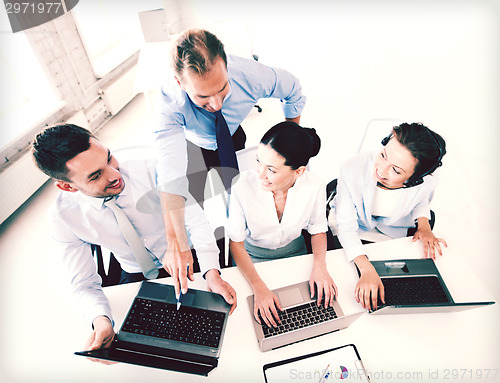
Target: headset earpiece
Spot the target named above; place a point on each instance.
(420, 179)
(386, 139)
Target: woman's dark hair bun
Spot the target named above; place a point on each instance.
(315, 141)
(293, 142)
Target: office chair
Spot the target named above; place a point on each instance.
(259, 109)
(375, 130)
(246, 158)
(225, 258)
(113, 275)
(215, 193)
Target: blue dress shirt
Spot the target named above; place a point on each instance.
(180, 119)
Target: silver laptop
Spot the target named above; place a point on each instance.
(156, 334)
(301, 318)
(416, 286)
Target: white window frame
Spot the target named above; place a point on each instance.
(28, 97)
(110, 30)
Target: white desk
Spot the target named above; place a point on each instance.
(419, 347)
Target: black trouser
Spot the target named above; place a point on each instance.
(200, 161)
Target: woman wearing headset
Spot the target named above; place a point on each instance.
(389, 190)
(270, 206)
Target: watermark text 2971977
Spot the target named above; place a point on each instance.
(34, 7)
(26, 14)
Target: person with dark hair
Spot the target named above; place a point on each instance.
(52, 154)
(200, 112)
(271, 205)
(97, 193)
(390, 191)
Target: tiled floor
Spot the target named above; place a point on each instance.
(353, 68)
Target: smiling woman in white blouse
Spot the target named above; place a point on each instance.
(388, 190)
(269, 207)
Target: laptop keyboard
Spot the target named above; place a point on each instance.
(162, 320)
(299, 317)
(413, 291)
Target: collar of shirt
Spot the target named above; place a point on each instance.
(255, 218)
(227, 99)
(296, 186)
(228, 95)
(266, 195)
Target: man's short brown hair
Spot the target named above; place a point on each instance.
(197, 50)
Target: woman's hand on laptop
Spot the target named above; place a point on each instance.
(325, 287)
(430, 242)
(267, 304)
(219, 286)
(369, 284)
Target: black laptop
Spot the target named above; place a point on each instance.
(416, 286)
(156, 334)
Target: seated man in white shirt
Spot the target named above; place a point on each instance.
(87, 173)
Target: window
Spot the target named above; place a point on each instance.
(110, 30)
(27, 95)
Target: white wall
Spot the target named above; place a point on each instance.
(434, 62)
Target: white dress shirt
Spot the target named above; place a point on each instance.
(385, 201)
(80, 220)
(354, 204)
(252, 212)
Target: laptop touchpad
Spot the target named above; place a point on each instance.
(188, 298)
(290, 297)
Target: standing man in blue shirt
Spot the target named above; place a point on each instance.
(206, 81)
